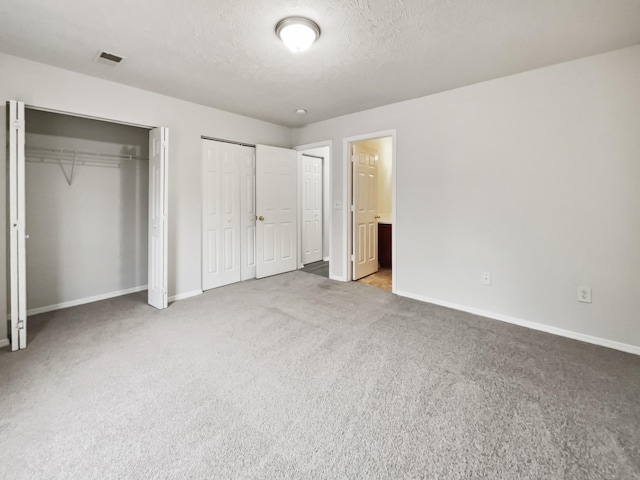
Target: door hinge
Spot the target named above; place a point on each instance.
(353, 208)
(353, 257)
(20, 325)
(18, 124)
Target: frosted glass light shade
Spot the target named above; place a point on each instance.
(297, 33)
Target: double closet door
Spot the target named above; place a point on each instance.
(229, 215)
(249, 213)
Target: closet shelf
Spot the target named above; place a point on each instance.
(74, 158)
(106, 158)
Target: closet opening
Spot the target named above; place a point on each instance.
(87, 210)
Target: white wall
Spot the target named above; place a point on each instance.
(533, 177)
(88, 238)
(45, 86)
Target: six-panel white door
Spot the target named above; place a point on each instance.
(311, 209)
(365, 208)
(228, 214)
(276, 207)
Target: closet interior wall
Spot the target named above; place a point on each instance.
(87, 185)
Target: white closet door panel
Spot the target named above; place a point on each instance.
(248, 217)
(17, 218)
(230, 191)
(211, 218)
(226, 225)
(158, 210)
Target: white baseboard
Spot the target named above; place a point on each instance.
(96, 298)
(82, 301)
(4, 342)
(338, 278)
(603, 342)
(182, 296)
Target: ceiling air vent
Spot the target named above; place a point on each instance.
(108, 58)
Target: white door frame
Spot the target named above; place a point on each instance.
(328, 188)
(347, 192)
(103, 119)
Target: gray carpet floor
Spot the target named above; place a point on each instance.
(298, 377)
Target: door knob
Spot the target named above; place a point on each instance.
(261, 218)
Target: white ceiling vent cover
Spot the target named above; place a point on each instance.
(107, 58)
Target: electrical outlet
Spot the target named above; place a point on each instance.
(584, 294)
(486, 278)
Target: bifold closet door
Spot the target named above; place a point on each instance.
(17, 219)
(248, 218)
(228, 233)
(158, 211)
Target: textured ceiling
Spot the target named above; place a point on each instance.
(224, 53)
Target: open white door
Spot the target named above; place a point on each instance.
(17, 234)
(311, 209)
(276, 207)
(365, 211)
(158, 204)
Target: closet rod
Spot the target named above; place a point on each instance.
(83, 153)
(204, 137)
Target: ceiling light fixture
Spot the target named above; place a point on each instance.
(301, 111)
(297, 33)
